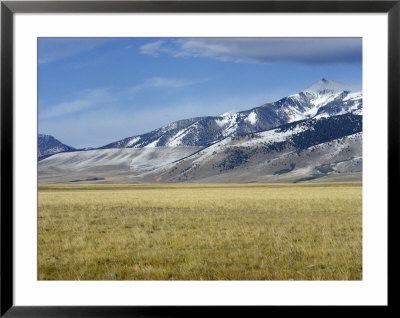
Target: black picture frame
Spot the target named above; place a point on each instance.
(8, 8)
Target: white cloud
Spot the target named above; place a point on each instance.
(262, 50)
(54, 49)
(102, 96)
(98, 127)
(152, 48)
(88, 98)
(164, 82)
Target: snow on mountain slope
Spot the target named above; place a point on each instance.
(298, 134)
(294, 149)
(244, 155)
(330, 86)
(322, 99)
(252, 118)
(48, 145)
(106, 163)
(135, 159)
(337, 160)
(287, 140)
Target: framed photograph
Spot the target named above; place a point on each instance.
(162, 155)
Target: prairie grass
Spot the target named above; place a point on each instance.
(200, 232)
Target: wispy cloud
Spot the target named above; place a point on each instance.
(164, 82)
(102, 96)
(262, 50)
(154, 48)
(98, 127)
(54, 49)
(87, 99)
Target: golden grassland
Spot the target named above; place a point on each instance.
(200, 232)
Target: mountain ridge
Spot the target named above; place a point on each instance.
(48, 146)
(283, 154)
(324, 98)
(313, 135)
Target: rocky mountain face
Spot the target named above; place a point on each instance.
(325, 98)
(304, 150)
(312, 135)
(48, 145)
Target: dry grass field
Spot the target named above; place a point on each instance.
(200, 232)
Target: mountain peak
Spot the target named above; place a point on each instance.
(48, 145)
(331, 86)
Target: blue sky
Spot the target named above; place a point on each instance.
(93, 91)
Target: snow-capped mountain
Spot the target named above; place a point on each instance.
(48, 145)
(312, 148)
(322, 99)
(330, 86)
(325, 148)
(312, 135)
